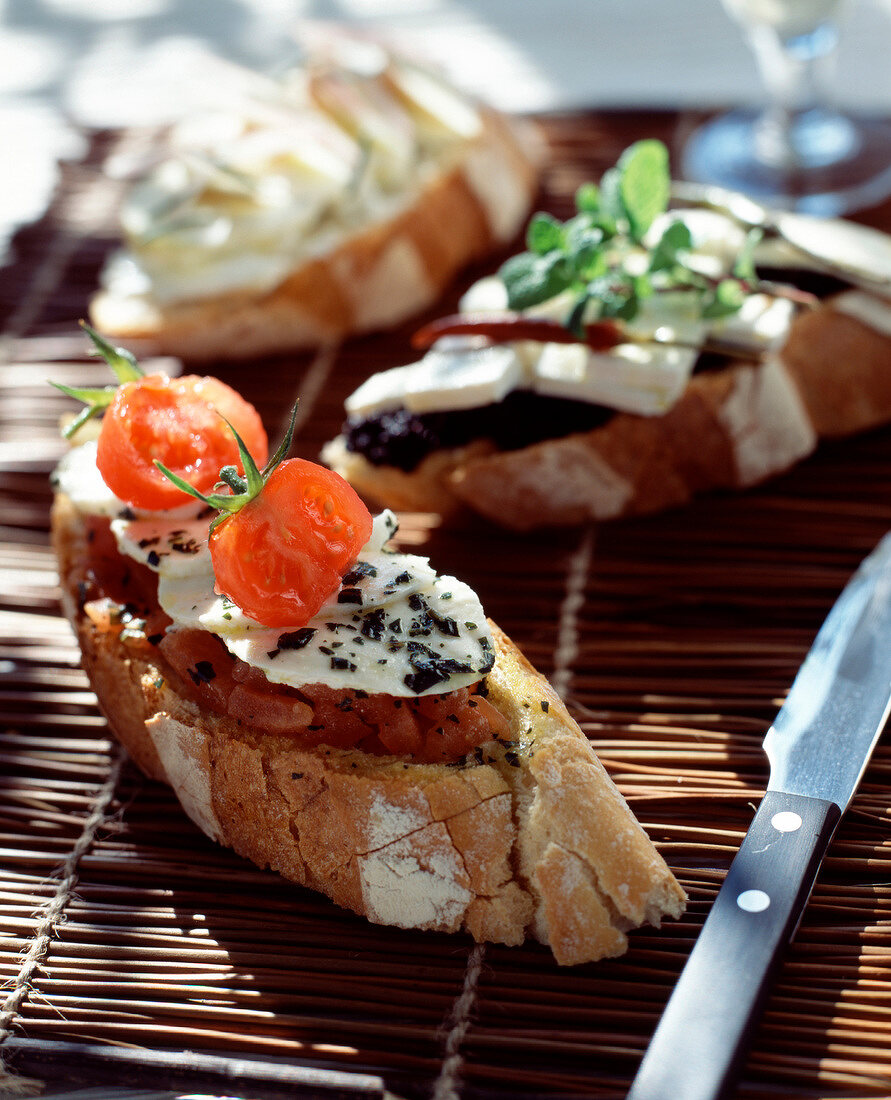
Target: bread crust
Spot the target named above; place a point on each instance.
(731, 429)
(372, 280)
(532, 839)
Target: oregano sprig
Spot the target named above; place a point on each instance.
(96, 399)
(601, 255)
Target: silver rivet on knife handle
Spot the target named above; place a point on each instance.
(818, 747)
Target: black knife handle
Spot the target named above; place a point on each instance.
(698, 1047)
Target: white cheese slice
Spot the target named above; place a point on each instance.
(486, 295)
(455, 374)
(79, 479)
(717, 239)
(434, 104)
(645, 379)
(762, 323)
(872, 311)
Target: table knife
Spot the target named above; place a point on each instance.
(818, 748)
(854, 252)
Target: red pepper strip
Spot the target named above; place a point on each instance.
(502, 328)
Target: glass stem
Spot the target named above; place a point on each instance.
(797, 74)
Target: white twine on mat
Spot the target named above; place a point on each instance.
(567, 648)
(311, 386)
(446, 1085)
(10, 1083)
(565, 652)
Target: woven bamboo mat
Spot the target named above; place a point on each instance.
(135, 952)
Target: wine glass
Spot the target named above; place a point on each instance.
(798, 153)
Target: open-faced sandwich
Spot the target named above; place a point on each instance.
(339, 199)
(327, 706)
(633, 356)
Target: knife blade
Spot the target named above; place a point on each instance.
(818, 748)
(854, 252)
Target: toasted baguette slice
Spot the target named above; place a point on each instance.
(731, 429)
(526, 839)
(359, 271)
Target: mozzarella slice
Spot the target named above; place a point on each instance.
(456, 374)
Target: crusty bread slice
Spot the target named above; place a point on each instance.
(374, 278)
(731, 429)
(527, 838)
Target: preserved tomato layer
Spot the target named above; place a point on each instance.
(119, 594)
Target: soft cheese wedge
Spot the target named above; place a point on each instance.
(603, 398)
(392, 750)
(340, 199)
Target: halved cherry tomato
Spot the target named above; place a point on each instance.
(283, 554)
(178, 421)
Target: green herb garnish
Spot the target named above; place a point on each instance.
(601, 260)
(96, 400)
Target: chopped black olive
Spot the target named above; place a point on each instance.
(153, 558)
(349, 595)
(143, 544)
(403, 578)
(202, 673)
(154, 639)
(326, 650)
(360, 569)
(430, 668)
(296, 639)
(342, 664)
(185, 546)
(444, 624)
(373, 624)
(545, 705)
(272, 653)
